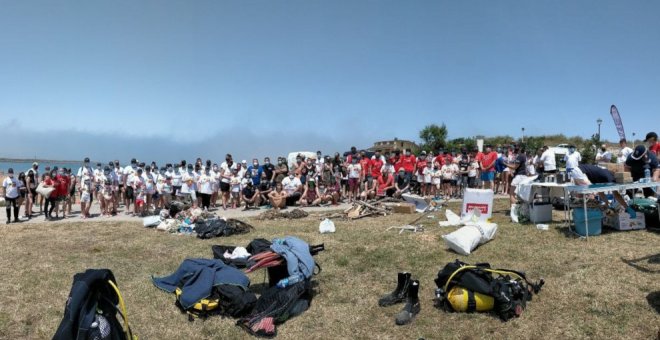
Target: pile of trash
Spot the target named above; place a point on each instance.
(361, 209)
(195, 221)
(277, 214)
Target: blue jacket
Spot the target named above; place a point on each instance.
(299, 261)
(197, 277)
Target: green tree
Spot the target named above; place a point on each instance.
(433, 137)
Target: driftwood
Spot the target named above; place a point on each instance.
(360, 209)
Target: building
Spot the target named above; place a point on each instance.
(393, 145)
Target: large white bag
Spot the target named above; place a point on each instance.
(467, 238)
(44, 191)
(151, 221)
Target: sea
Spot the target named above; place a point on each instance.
(23, 166)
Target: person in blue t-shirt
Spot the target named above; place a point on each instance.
(255, 171)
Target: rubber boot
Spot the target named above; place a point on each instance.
(412, 307)
(400, 292)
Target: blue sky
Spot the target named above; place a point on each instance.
(186, 78)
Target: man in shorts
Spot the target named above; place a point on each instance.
(487, 165)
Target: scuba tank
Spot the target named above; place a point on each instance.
(463, 300)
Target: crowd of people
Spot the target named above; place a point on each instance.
(310, 181)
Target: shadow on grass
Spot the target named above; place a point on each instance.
(654, 301)
(638, 263)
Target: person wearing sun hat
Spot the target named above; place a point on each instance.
(640, 160)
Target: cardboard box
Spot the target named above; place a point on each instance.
(404, 208)
(623, 177)
(615, 167)
(622, 221)
(481, 199)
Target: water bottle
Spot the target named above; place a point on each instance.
(647, 175)
(289, 281)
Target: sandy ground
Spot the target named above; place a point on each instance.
(95, 212)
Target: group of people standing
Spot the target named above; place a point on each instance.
(308, 181)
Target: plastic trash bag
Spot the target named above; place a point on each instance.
(326, 226)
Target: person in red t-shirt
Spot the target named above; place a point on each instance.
(487, 164)
(394, 159)
(407, 163)
(439, 160)
(50, 181)
(652, 140)
(376, 166)
(385, 184)
(365, 163)
(62, 189)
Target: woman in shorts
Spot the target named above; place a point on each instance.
(311, 195)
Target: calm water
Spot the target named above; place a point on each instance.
(24, 166)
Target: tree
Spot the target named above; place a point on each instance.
(433, 137)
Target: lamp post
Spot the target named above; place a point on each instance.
(523, 135)
(633, 140)
(599, 121)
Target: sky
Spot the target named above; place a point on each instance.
(165, 80)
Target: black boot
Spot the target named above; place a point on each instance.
(399, 294)
(412, 307)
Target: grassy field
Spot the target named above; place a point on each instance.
(591, 290)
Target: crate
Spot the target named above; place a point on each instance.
(594, 222)
(540, 212)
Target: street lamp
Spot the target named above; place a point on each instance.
(633, 140)
(599, 121)
(523, 135)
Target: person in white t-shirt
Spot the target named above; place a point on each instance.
(87, 187)
(205, 185)
(548, 161)
(128, 175)
(10, 187)
(427, 183)
(354, 174)
(624, 152)
(225, 177)
(572, 159)
(603, 156)
(293, 187)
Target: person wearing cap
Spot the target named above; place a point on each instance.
(98, 171)
(10, 187)
(652, 142)
(86, 180)
(32, 180)
(639, 161)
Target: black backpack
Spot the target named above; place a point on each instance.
(91, 309)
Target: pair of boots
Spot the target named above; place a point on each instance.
(406, 290)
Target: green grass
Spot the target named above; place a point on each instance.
(590, 291)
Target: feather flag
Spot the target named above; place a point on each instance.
(617, 121)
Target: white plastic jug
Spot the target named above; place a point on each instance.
(327, 226)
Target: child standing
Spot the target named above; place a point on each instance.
(354, 173)
(427, 184)
(235, 185)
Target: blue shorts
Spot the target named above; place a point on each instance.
(488, 176)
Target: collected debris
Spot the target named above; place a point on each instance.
(413, 228)
(361, 209)
(277, 214)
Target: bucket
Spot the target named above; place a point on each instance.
(594, 221)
